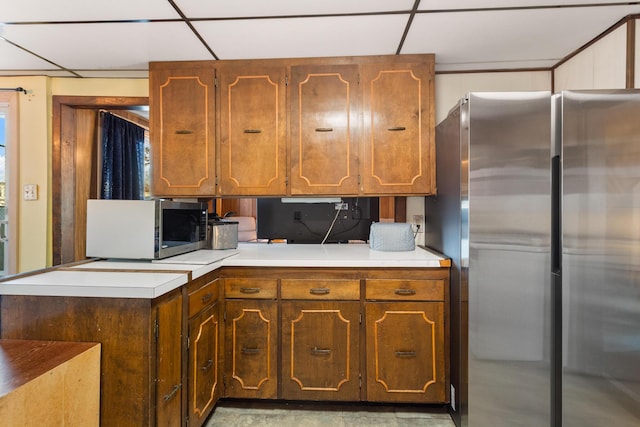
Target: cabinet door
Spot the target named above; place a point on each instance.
(252, 130)
(169, 349)
(398, 145)
(204, 389)
(320, 350)
(405, 352)
(324, 123)
(251, 341)
(182, 136)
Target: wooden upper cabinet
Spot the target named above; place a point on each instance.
(182, 111)
(324, 103)
(252, 129)
(398, 115)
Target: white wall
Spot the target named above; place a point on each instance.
(34, 142)
(451, 87)
(600, 66)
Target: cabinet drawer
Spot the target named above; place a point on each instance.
(207, 294)
(399, 289)
(251, 288)
(312, 289)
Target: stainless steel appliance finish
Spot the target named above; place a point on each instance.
(493, 209)
(538, 206)
(600, 139)
(144, 229)
(223, 234)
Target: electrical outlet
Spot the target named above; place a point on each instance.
(30, 192)
(418, 223)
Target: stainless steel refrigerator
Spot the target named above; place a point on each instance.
(545, 297)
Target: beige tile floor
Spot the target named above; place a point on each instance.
(282, 414)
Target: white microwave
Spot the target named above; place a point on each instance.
(144, 229)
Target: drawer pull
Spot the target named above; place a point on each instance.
(320, 351)
(397, 128)
(319, 291)
(252, 131)
(246, 350)
(250, 290)
(207, 366)
(324, 129)
(167, 397)
(184, 132)
(405, 354)
(206, 298)
(404, 292)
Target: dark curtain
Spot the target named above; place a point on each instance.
(122, 159)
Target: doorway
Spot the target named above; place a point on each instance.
(74, 166)
(8, 183)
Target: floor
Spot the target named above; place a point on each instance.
(286, 414)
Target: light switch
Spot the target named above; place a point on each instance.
(30, 192)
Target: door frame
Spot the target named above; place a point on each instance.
(12, 190)
(64, 165)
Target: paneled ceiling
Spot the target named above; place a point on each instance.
(117, 38)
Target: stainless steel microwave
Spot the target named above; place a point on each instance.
(144, 229)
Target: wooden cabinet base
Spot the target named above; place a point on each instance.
(49, 383)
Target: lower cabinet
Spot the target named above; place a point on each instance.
(169, 350)
(405, 361)
(406, 342)
(251, 339)
(204, 352)
(320, 350)
(348, 334)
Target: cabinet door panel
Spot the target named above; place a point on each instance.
(203, 374)
(251, 349)
(252, 131)
(405, 352)
(399, 150)
(182, 131)
(169, 387)
(324, 113)
(320, 350)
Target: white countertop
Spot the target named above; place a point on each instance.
(145, 279)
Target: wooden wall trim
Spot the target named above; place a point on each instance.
(63, 165)
(631, 53)
(605, 33)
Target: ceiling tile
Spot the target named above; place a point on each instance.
(85, 10)
(246, 8)
(507, 37)
(109, 46)
(302, 37)
(14, 58)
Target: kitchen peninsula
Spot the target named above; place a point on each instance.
(266, 321)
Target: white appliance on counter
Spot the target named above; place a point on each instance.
(144, 229)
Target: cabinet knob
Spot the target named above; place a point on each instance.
(184, 132)
(324, 129)
(246, 350)
(206, 298)
(319, 291)
(252, 131)
(320, 351)
(397, 128)
(405, 354)
(207, 366)
(167, 397)
(404, 292)
(250, 290)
